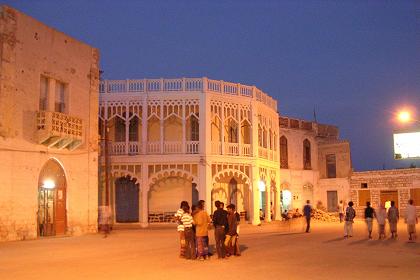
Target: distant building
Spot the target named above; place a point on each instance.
(48, 130)
(384, 186)
(188, 139)
(315, 164)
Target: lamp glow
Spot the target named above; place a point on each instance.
(404, 116)
(261, 186)
(48, 184)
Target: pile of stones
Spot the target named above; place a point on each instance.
(324, 216)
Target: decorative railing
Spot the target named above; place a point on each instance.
(216, 148)
(192, 147)
(262, 152)
(118, 148)
(246, 150)
(185, 84)
(134, 148)
(172, 147)
(59, 130)
(153, 147)
(232, 149)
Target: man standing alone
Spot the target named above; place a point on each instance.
(369, 214)
(307, 212)
(411, 220)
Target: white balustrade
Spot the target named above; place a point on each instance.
(118, 148)
(153, 147)
(192, 147)
(172, 147)
(134, 148)
(232, 149)
(246, 150)
(216, 148)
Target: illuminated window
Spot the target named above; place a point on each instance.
(331, 166)
(284, 157)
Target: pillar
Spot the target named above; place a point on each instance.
(278, 209)
(144, 193)
(255, 211)
(144, 126)
(267, 201)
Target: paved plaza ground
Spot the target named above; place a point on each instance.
(272, 251)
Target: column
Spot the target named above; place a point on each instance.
(144, 126)
(184, 129)
(278, 210)
(254, 128)
(267, 201)
(255, 211)
(162, 137)
(204, 124)
(240, 140)
(127, 127)
(222, 127)
(205, 183)
(144, 192)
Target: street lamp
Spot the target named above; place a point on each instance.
(404, 116)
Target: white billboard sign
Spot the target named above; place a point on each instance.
(407, 145)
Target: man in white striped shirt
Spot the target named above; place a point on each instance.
(187, 221)
(180, 228)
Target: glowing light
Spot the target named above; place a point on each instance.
(48, 184)
(407, 145)
(261, 186)
(404, 116)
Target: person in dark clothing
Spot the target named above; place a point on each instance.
(220, 226)
(369, 215)
(231, 233)
(307, 213)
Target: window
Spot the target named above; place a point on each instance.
(364, 196)
(233, 133)
(364, 185)
(284, 157)
(195, 129)
(119, 134)
(331, 166)
(415, 195)
(307, 154)
(133, 134)
(43, 94)
(60, 102)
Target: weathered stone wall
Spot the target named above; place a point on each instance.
(29, 49)
(401, 180)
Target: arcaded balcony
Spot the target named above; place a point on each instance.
(59, 130)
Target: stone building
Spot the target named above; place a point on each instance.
(48, 130)
(187, 139)
(384, 186)
(315, 164)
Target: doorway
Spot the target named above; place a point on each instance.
(332, 201)
(126, 200)
(52, 214)
(387, 197)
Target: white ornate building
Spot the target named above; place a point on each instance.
(187, 139)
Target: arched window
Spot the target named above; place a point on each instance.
(307, 154)
(134, 130)
(195, 129)
(284, 156)
(233, 192)
(233, 132)
(119, 135)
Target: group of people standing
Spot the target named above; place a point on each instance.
(193, 227)
(381, 215)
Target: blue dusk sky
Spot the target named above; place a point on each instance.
(355, 62)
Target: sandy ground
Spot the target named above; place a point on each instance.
(272, 251)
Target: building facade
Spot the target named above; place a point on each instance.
(384, 186)
(170, 140)
(48, 130)
(315, 164)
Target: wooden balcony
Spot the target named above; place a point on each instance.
(58, 130)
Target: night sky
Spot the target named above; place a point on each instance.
(354, 62)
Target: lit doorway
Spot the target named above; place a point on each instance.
(52, 218)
